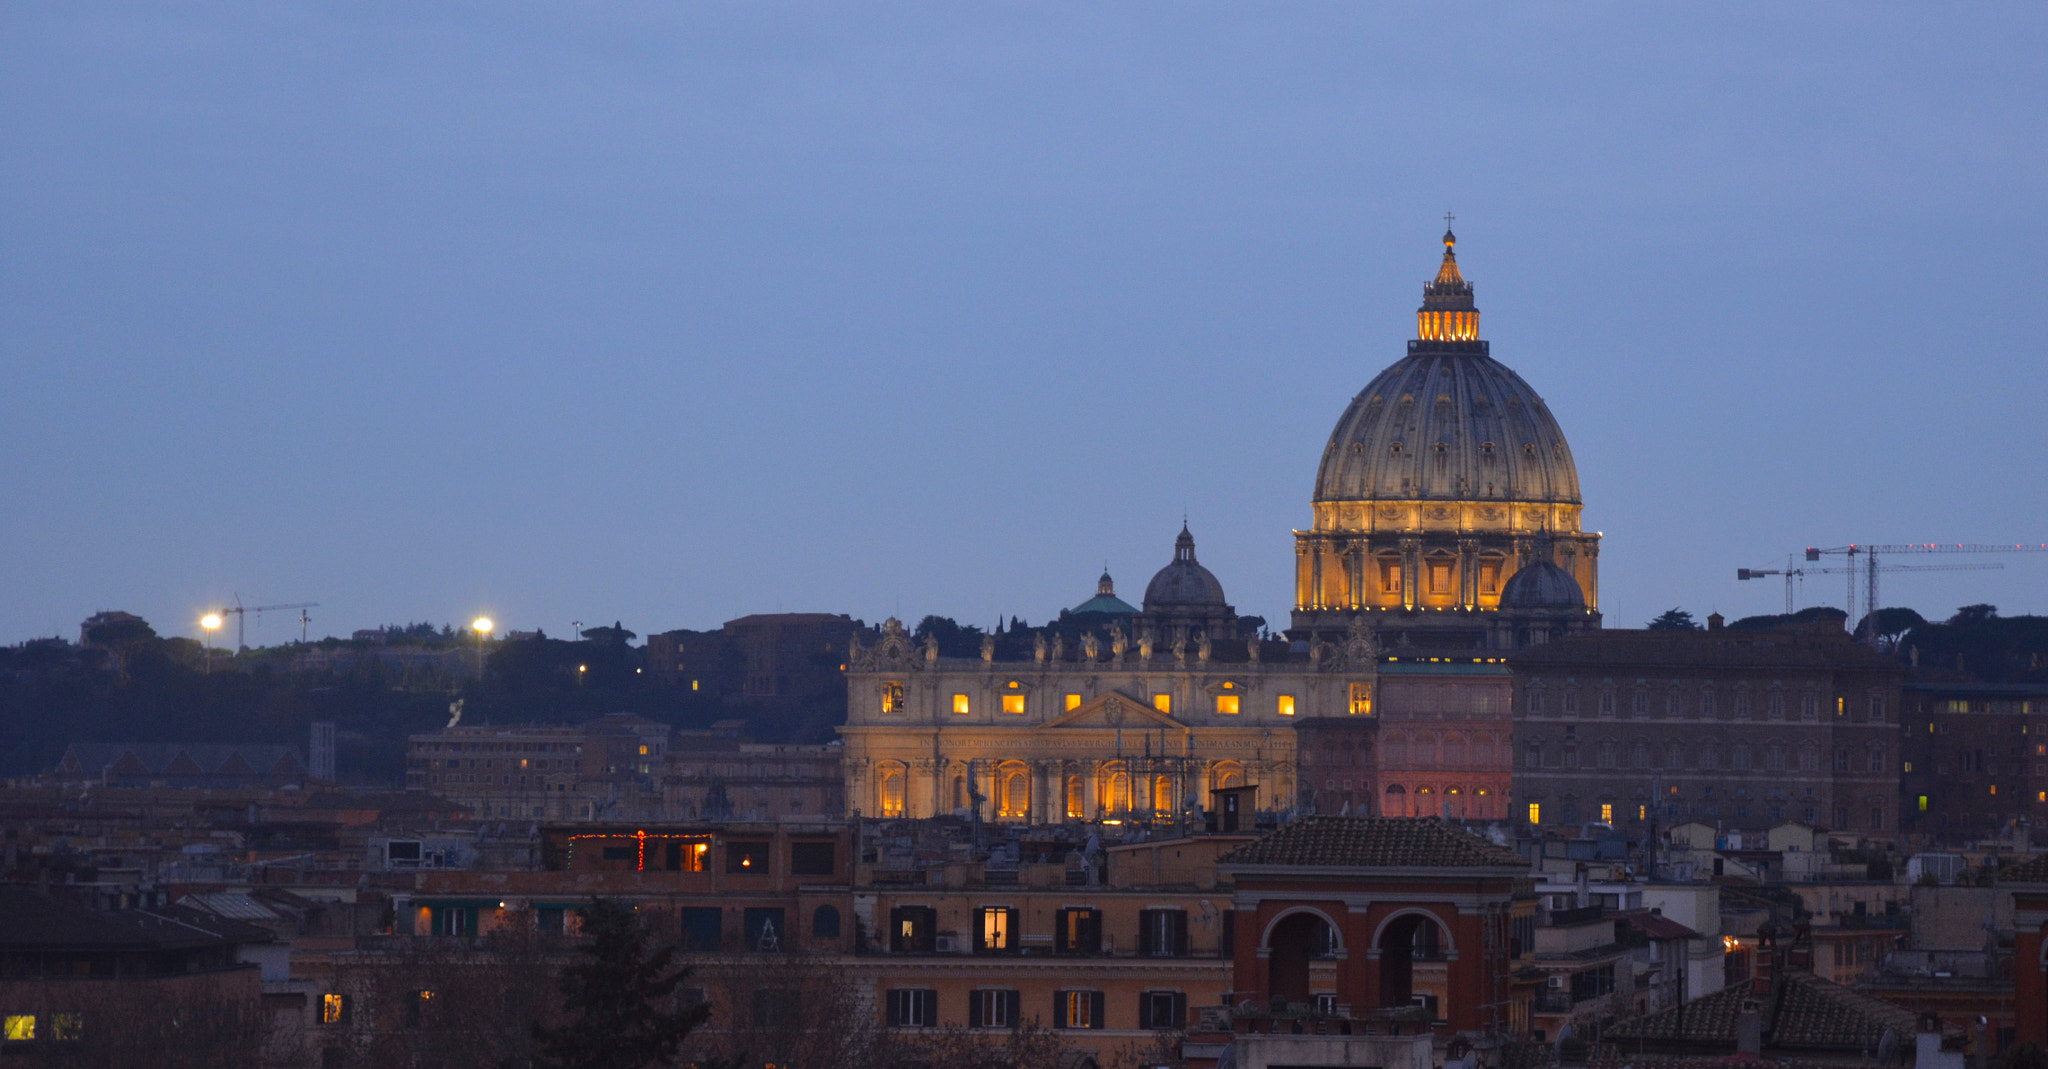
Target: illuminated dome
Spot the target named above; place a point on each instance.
(1448, 422)
(1447, 508)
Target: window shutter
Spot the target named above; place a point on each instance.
(1013, 1008)
(1180, 1012)
(1180, 932)
(1145, 1009)
(1226, 945)
(1095, 1009)
(981, 930)
(1059, 932)
(1091, 931)
(928, 1001)
(974, 1001)
(1148, 919)
(1013, 931)
(895, 1016)
(1059, 1010)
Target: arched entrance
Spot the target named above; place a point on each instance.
(1291, 944)
(1403, 941)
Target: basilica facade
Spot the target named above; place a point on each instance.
(1446, 533)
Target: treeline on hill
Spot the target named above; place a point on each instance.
(1973, 644)
(125, 683)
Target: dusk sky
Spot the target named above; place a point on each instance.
(669, 313)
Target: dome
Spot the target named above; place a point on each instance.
(1183, 584)
(1542, 585)
(1448, 421)
(1105, 600)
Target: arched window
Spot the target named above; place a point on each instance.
(1674, 755)
(1227, 774)
(825, 923)
(1116, 788)
(1013, 797)
(1639, 754)
(1809, 759)
(1076, 799)
(1606, 753)
(889, 790)
(1740, 763)
(1774, 758)
(1163, 802)
(1397, 801)
(1877, 758)
(1709, 757)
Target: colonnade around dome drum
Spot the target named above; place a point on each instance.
(1460, 561)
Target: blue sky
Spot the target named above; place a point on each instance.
(668, 313)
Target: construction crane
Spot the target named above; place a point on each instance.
(241, 614)
(1871, 553)
(1790, 573)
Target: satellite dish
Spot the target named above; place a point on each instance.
(1888, 1048)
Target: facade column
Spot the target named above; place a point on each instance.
(1411, 572)
(1091, 780)
(1315, 583)
(1468, 573)
(1302, 580)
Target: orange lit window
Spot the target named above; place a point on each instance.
(1163, 703)
(960, 703)
(1226, 704)
(1073, 702)
(1013, 703)
(1361, 699)
(892, 697)
(1285, 705)
(1535, 813)
(333, 1008)
(1606, 813)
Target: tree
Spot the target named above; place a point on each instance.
(613, 998)
(1975, 614)
(1892, 624)
(1674, 619)
(615, 635)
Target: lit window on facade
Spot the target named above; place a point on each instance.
(960, 704)
(1226, 704)
(1284, 705)
(1013, 703)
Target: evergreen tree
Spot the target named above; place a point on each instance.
(618, 998)
(1673, 620)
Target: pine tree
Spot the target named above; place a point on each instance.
(615, 998)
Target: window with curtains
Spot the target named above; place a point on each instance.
(1162, 1009)
(1077, 1009)
(995, 930)
(1162, 933)
(1078, 930)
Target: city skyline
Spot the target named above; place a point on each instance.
(674, 317)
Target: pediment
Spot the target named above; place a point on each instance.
(1113, 710)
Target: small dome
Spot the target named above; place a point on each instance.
(1105, 600)
(1542, 585)
(1184, 584)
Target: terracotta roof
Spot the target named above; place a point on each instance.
(1373, 842)
(1809, 1014)
(2032, 870)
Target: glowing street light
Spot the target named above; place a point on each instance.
(210, 622)
(483, 627)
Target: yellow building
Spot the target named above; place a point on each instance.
(1447, 504)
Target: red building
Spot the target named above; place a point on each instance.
(2029, 883)
(1399, 920)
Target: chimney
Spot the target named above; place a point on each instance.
(1749, 1031)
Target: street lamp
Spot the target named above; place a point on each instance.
(210, 622)
(483, 627)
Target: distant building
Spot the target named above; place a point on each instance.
(790, 654)
(1975, 761)
(1737, 729)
